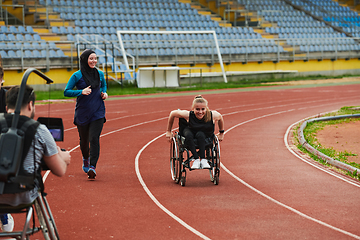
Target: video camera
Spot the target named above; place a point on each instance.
(55, 126)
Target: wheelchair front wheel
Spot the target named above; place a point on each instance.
(183, 178)
(174, 161)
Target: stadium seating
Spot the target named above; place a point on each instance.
(24, 42)
(296, 29)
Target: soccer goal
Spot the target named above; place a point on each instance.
(149, 42)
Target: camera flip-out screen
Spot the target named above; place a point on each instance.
(55, 126)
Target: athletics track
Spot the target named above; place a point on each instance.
(266, 190)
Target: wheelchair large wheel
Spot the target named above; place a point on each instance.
(215, 169)
(175, 164)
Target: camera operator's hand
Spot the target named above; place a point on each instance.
(58, 162)
(65, 155)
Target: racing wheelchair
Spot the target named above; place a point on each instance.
(180, 156)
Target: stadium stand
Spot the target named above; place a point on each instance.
(256, 30)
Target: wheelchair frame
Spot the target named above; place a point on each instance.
(178, 163)
(46, 222)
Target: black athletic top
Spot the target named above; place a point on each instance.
(197, 125)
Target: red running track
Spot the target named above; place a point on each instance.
(265, 190)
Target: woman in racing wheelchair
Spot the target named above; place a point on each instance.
(201, 125)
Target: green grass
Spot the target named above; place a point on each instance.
(312, 129)
(114, 89)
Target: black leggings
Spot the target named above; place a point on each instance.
(189, 142)
(90, 140)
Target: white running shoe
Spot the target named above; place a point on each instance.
(204, 163)
(196, 164)
(9, 226)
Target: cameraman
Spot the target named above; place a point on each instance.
(7, 221)
(45, 148)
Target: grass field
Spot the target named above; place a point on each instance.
(312, 129)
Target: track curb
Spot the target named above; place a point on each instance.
(319, 154)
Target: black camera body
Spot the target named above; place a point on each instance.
(55, 126)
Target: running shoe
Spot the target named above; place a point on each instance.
(86, 164)
(204, 163)
(91, 173)
(196, 164)
(7, 223)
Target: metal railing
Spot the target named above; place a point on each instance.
(9, 18)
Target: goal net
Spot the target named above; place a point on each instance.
(168, 45)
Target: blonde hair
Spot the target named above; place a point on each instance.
(200, 99)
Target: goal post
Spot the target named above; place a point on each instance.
(121, 33)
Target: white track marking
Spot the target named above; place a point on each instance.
(118, 130)
(311, 163)
(153, 198)
(118, 118)
(278, 202)
(287, 207)
(224, 167)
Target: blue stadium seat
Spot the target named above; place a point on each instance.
(52, 54)
(13, 30)
(70, 37)
(37, 37)
(22, 29)
(70, 30)
(11, 46)
(28, 37)
(28, 45)
(12, 54)
(28, 54)
(3, 54)
(55, 29)
(36, 54)
(36, 45)
(78, 30)
(20, 37)
(60, 53)
(63, 30)
(4, 29)
(3, 37)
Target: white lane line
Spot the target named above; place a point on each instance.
(118, 118)
(311, 163)
(274, 200)
(153, 198)
(230, 173)
(142, 181)
(288, 207)
(46, 174)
